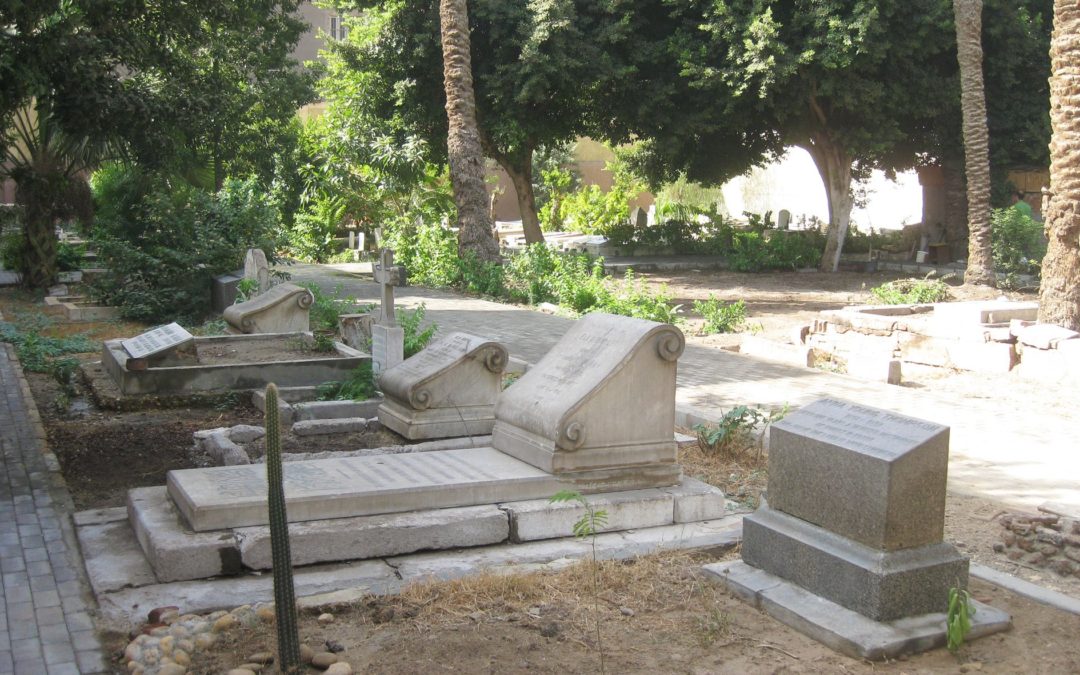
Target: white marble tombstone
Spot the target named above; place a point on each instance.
(448, 389)
(599, 409)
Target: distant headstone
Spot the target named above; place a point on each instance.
(639, 217)
(448, 389)
(856, 510)
(599, 409)
(285, 308)
(158, 341)
(783, 220)
(256, 268)
(387, 337)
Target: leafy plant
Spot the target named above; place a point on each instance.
(415, 337)
(588, 526)
(288, 635)
(323, 342)
(41, 354)
(1018, 242)
(721, 317)
(911, 291)
(327, 308)
(958, 618)
(736, 430)
(359, 386)
(246, 289)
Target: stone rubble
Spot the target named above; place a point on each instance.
(1046, 540)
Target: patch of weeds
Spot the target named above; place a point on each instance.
(713, 626)
(359, 386)
(246, 289)
(327, 309)
(37, 352)
(323, 342)
(510, 378)
(209, 328)
(737, 429)
(958, 618)
(911, 292)
(228, 401)
(415, 337)
(721, 317)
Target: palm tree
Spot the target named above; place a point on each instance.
(1059, 294)
(969, 53)
(48, 167)
(463, 137)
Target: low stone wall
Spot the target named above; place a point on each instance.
(1047, 540)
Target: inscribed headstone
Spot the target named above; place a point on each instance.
(157, 341)
(256, 268)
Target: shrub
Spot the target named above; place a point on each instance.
(312, 237)
(911, 291)
(163, 249)
(327, 309)
(1018, 242)
(416, 338)
(721, 317)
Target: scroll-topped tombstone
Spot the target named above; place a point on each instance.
(448, 389)
(599, 409)
(157, 346)
(257, 269)
(856, 510)
(387, 337)
(285, 308)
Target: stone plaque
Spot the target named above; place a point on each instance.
(236, 496)
(157, 341)
(868, 474)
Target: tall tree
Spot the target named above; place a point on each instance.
(1059, 295)
(475, 229)
(969, 53)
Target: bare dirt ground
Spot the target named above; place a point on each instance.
(656, 614)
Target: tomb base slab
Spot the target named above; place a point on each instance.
(470, 420)
(840, 628)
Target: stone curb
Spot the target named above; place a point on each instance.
(1044, 596)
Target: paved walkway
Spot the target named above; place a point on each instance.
(45, 616)
(996, 451)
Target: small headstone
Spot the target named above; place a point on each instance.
(285, 308)
(783, 219)
(256, 268)
(448, 389)
(158, 341)
(856, 510)
(639, 217)
(599, 409)
(387, 337)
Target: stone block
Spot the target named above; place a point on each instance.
(841, 629)
(448, 389)
(325, 410)
(883, 585)
(868, 474)
(378, 536)
(1044, 335)
(174, 552)
(991, 357)
(985, 311)
(697, 501)
(387, 347)
(112, 555)
(344, 425)
(797, 354)
(582, 413)
(874, 368)
(245, 433)
(1049, 365)
(541, 519)
(223, 451)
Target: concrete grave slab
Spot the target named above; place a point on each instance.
(174, 552)
(541, 519)
(222, 497)
(841, 629)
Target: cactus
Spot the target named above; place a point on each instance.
(288, 635)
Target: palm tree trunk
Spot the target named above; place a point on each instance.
(475, 229)
(980, 264)
(1059, 294)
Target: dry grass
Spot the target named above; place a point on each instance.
(741, 474)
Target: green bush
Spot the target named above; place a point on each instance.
(911, 292)
(1018, 242)
(327, 309)
(752, 252)
(721, 317)
(163, 249)
(312, 237)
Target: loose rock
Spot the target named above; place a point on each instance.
(172, 669)
(261, 657)
(326, 618)
(339, 668)
(224, 623)
(324, 660)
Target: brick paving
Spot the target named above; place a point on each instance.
(46, 615)
(996, 452)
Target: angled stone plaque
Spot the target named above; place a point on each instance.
(235, 496)
(448, 389)
(599, 409)
(157, 341)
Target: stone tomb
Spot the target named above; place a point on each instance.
(448, 389)
(285, 308)
(387, 337)
(849, 546)
(598, 410)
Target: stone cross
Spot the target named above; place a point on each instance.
(388, 275)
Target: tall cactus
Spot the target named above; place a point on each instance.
(288, 635)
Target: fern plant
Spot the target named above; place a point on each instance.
(288, 635)
(588, 526)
